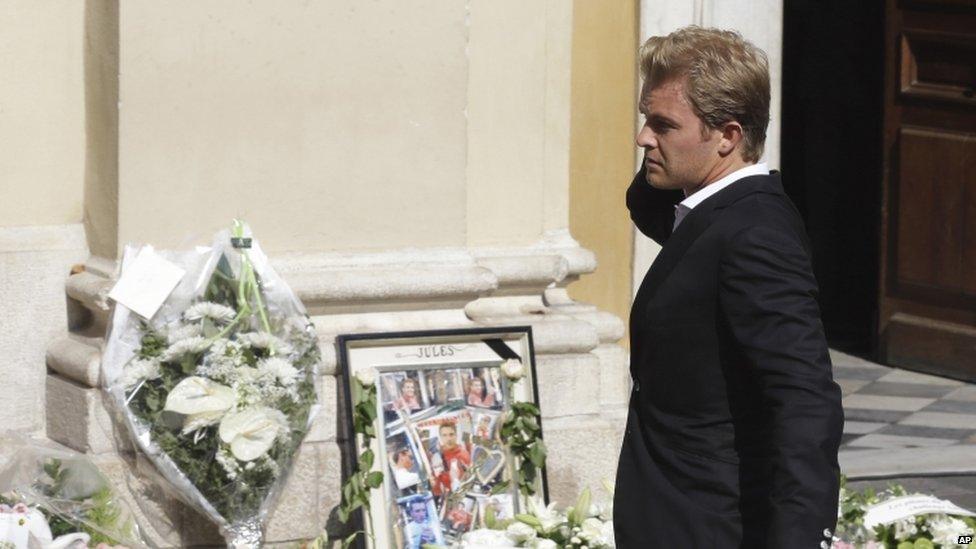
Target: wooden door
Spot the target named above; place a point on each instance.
(928, 235)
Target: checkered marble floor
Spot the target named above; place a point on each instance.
(889, 408)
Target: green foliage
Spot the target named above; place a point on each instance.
(356, 489)
(579, 511)
(523, 435)
(95, 514)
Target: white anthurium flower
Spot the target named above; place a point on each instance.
(251, 432)
(366, 376)
(197, 395)
(513, 369)
(520, 532)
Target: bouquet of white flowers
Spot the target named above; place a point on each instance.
(54, 498)
(218, 386)
(585, 524)
(895, 519)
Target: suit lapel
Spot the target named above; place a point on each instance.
(694, 224)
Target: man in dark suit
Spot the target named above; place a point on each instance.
(735, 419)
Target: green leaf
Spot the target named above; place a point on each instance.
(537, 454)
(491, 521)
(374, 479)
(366, 460)
(500, 487)
(531, 520)
(581, 509)
(349, 539)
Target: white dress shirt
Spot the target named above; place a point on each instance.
(684, 207)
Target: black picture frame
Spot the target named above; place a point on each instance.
(405, 427)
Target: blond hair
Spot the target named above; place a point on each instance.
(727, 79)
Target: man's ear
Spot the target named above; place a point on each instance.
(731, 138)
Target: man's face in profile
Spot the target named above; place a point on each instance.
(678, 153)
(418, 511)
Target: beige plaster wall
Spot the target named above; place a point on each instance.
(335, 125)
(518, 120)
(41, 112)
(344, 125)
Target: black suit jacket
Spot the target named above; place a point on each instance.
(734, 419)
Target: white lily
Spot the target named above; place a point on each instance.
(197, 395)
(548, 516)
(251, 432)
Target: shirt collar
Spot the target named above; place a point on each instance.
(686, 205)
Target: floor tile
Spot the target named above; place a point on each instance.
(838, 358)
(875, 402)
(846, 438)
(848, 386)
(904, 430)
(862, 427)
(905, 376)
(941, 419)
(967, 393)
(875, 440)
(953, 406)
(875, 416)
(857, 372)
(887, 388)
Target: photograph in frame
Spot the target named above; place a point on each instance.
(441, 399)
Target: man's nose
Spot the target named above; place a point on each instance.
(646, 138)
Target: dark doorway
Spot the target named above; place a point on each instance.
(833, 62)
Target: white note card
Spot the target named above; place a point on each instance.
(146, 282)
(908, 506)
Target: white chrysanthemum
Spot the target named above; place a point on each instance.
(265, 341)
(183, 347)
(483, 537)
(183, 331)
(946, 530)
(541, 543)
(138, 370)
(281, 369)
(211, 310)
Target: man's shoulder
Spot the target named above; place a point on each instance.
(761, 202)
